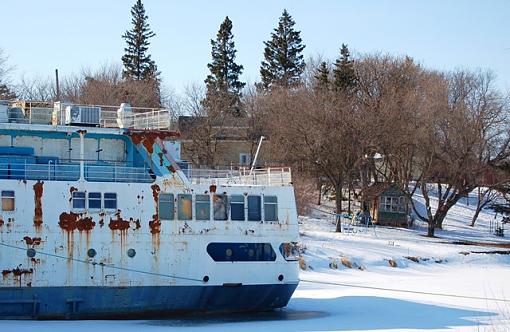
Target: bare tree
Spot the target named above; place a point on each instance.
(461, 131)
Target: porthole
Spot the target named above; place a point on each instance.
(31, 252)
(131, 252)
(91, 253)
(206, 278)
(228, 252)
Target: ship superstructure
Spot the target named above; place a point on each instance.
(99, 218)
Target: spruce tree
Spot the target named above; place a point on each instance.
(138, 64)
(283, 62)
(322, 76)
(223, 84)
(344, 77)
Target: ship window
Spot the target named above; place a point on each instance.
(254, 213)
(202, 207)
(94, 200)
(237, 207)
(184, 207)
(241, 252)
(78, 200)
(166, 206)
(270, 208)
(110, 201)
(8, 200)
(220, 207)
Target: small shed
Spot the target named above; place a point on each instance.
(388, 205)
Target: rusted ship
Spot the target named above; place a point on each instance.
(100, 218)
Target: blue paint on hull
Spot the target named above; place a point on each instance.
(138, 302)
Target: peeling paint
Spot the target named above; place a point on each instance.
(17, 272)
(155, 224)
(32, 241)
(148, 138)
(121, 224)
(38, 211)
(71, 221)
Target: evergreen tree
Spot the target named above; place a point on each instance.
(283, 62)
(138, 64)
(223, 84)
(322, 76)
(343, 73)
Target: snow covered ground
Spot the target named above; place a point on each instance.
(435, 285)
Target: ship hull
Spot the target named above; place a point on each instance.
(138, 302)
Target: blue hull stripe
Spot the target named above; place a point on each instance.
(137, 302)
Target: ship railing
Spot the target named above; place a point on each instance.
(71, 172)
(49, 113)
(100, 173)
(270, 176)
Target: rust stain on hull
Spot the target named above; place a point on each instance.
(71, 221)
(32, 241)
(38, 211)
(155, 224)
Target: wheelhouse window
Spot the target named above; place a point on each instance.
(166, 206)
(78, 200)
(270, 208)
(237, 207)
(254, 211)
(202, 207)
(110, 201)
(184, 203)
(8, 200)
(220, 207)
(95, 201)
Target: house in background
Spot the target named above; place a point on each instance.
(234, 144)
(388, 205)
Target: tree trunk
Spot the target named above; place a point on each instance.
(349, 206)
(431, 228)
(319, 187)
(475, 216)
(480, 204)
(338, 202)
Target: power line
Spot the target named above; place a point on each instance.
(105, 265)
(403, 290)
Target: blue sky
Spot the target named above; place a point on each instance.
(40, 36)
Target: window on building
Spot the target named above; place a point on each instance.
(270, 208)
(244, 159)
(184, 206)
(392, 204)
(254, 208)
(237, 207)
(78, 200)
(202, 207)
(220, 207)
(110, 201)
(94, 200)
(8, 200)
(166, 206)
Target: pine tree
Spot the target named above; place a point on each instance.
(138, 64)
(322, 76)
(283, 62)
(223, 84)
(343, 73)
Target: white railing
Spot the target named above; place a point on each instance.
(271, 176)
(71, 172)
(32, 112)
